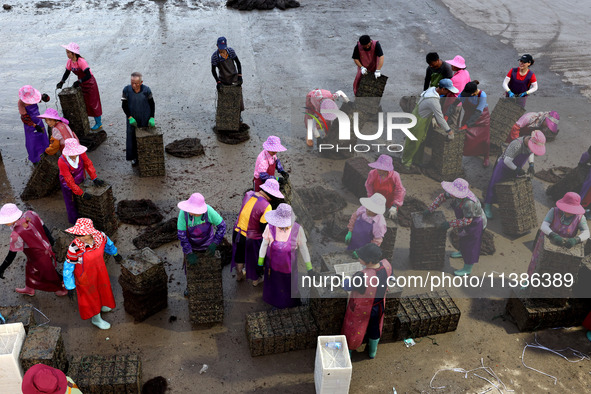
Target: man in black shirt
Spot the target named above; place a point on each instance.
(436, 71)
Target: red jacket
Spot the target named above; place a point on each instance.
(66, 171)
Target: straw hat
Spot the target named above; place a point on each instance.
(281, 217)
(73, 148)
(9, 213)
(29, 95)
(271, 186)
(571, 203)
(375, 203)
(195, 204)
(72, 47)
(273, 144)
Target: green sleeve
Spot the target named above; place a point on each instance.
(181, 223)
(214, 217)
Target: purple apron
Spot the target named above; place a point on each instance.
(565, 231)
(362, 234)
(78, 175)
(501, 173)
(470, 237)
(35, 142)
(201, 235)
(518, 87)
(281, 273)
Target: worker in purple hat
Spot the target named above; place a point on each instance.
(267, 162)
(200, 227)
(368, 57)
(278, 257)
(564, 224)
(86, 81)
(60, 131)
(249, 228)
(31, 236)
(226, 61)
(545, 121)
(510, 163)
(384, 180)
(470, 221)
(36, 139)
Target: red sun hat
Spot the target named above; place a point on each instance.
(43, 379)
(83, 226)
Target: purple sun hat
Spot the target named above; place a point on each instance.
(552, 121)
(459, 188)
(281, 217)
(51, 113)
(273, 144)
(384, 162)
(271, 186)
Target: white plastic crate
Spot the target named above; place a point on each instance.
(12, 337)
(332, 370)
(348, 269)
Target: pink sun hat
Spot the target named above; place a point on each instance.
(281, 217)
(459, 188)
(273, 144)
(328, 104)
(195, 204)
(29, 95)
(72, 47)
(384, 162)
(9, 213)
(552, 121)
(51, 113)
(271, 186)
(457, 61)
(537, 143)
(73, 148)
(571, 203)
(83, 226)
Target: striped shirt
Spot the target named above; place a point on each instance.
(216, 58)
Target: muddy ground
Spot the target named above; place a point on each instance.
(284, 55)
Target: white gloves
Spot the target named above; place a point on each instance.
(378, 73)
(342, 95)
(393, 212)
(363, 70)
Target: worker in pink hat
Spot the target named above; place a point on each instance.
(86, 81)
(60, 131)
(249, 227)
(267, 162)
(85, 271)
(317, 101)
(564, 224)
(510, 163)
(367, 224)
(43, 379)
(470, 221)
(200, 227)
(31, 236)
(384, 180)
(35, 137)
(461, 76)
(545, 121)
(73, 164)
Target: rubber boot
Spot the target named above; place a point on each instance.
(488, 211)
(467, 270)
(372, 346)
(589, 335)
(456, 255)
(26, 291)
(98, 321)
(351, 351)
(106, 309)
(97, 123)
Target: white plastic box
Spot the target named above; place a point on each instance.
(12, 337)
(332, 370)
(348, 269)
